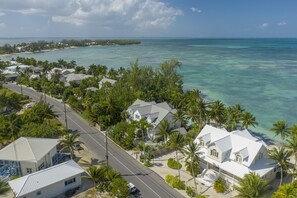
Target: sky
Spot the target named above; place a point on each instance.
(149, 18)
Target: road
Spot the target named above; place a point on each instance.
(149, 183)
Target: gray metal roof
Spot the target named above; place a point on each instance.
(28, 149)
(44, 178)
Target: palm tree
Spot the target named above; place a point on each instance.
(69, 141)
(14, 125)
(285, 191)
(280, 128)
(280, 157)
(291, 143)
(163, 131)
(96, 174)
(217, 112)
(192, 152)
(248, 120)
(3, 187)
(179, 117)
(176, 141)
(251, 186)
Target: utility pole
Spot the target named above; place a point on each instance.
(66, 123)
(21, 89)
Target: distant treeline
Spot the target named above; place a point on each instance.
(50, 45)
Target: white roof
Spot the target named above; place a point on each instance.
(155, 111)
(76, 77)
(104, 80)
(28, 149)
(241, 142)
(44, 178)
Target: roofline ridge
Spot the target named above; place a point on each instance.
(27, 177)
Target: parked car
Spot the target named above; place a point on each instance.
(132, 188)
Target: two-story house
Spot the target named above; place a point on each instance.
(234, 154)
(154, 113)
(28, 155)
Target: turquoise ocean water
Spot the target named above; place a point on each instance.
(260, 74)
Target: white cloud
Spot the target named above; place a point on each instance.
(264, 25)
(196, 10)
(104, 13)
(282, 23)
(2, 13)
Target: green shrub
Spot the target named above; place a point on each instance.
(175, 182)
(201, 196)
(172, 163)
(190, 191)
(195, 168)
(220, 185)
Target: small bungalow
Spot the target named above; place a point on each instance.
(106, 80)
(75, 77)
(231, 155)
(49, 182)
(28, 155)
(153, 112)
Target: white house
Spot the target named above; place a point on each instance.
(15, 68)
(28, 155)
(49, 182)
(76, 77)
(153, 112)
(231, 155)
(106, 80)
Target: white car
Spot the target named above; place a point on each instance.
(132, 187)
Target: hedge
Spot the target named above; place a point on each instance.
(220, 185)
(172, 163)
(175, 182)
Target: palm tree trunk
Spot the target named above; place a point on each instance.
(176, 157)
(281, 179)
(194, 175)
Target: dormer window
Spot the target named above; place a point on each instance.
(137, 116)
(202, 143)
(260, 156)
(238, 158)
(214, 153)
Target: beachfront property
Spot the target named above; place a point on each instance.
(59, 71)
(106, 80)
(76, 78)
(231, 155)
(49, 182)
(154, 113)
(14, 69)
(28, 155)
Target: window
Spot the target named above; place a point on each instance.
(41, 166)
(29, 170)
(137, 116)
(238, 158)
(214, 153)
(70, 181)
(201, 142)
(260, 156)
(38, 193)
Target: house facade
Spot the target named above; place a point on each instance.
(233, 154)
(154, 113)
(28, 155)
(49, 182)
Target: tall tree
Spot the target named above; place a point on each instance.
(217, 112)
(163, 132)
(291, 143)
(69, 141)
(192, 152)
(248, 120)
(280, 157)
(281, 128)
(176, 142)
(285, 191)
(251, 186)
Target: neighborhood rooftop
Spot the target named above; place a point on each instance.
(43, 178)
(28, 149)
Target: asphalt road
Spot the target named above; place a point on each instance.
(148, 182)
